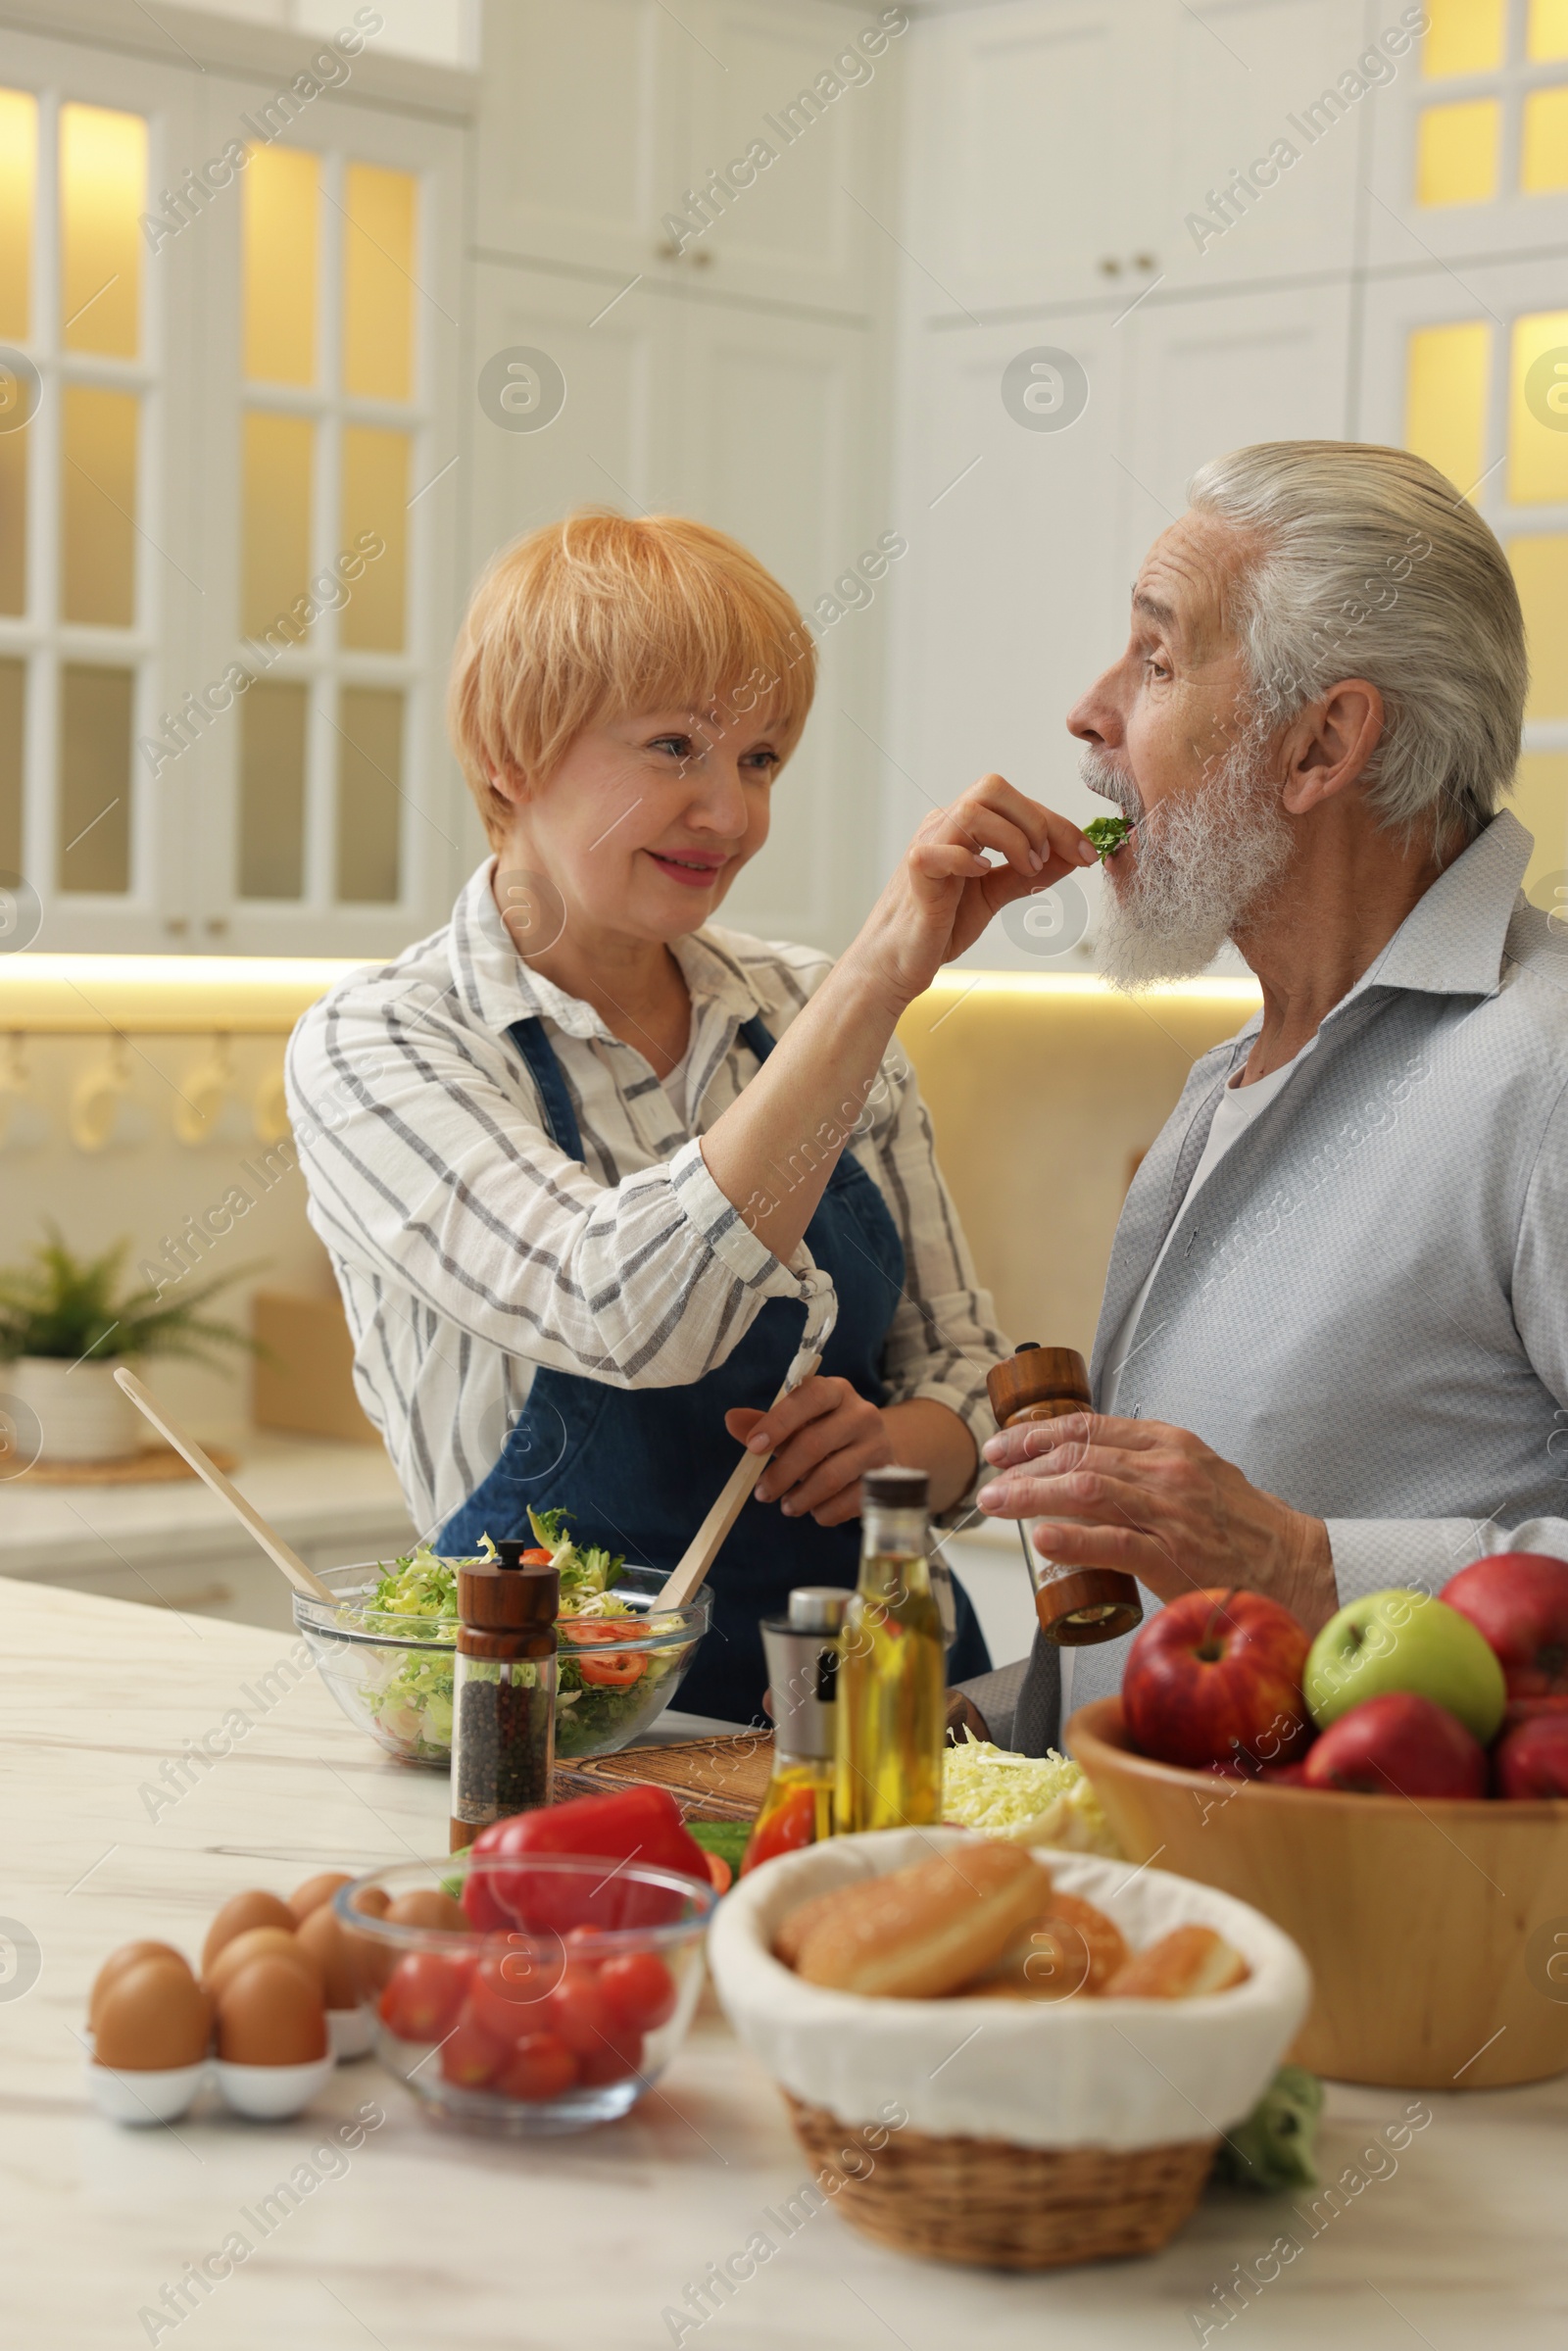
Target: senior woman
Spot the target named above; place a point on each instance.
(594, 1173)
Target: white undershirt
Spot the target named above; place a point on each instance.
(1239, 1106)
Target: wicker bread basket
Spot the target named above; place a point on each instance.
(999, 2206)
(1029, 2136)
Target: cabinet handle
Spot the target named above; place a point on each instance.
(667, 250)
(1146, 261)
(177, 926)
(703, 258)
(1111, 266)
(217, 924)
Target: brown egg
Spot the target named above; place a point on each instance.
(428, 1907)
(116, 1964)
(322, 1940)
(374, 1901)
(259, 1942)
(240, 1912)
(270, 2013)
(316, 1890)
(153, 2015)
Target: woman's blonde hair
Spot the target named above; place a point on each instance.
(600, 616)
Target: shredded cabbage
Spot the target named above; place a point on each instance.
(1030, 1800)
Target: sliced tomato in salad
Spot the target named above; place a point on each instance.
(610, 1673)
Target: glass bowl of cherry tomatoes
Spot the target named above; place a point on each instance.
(559, 2017)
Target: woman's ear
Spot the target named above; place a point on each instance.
(1331, 743)
(508, 782)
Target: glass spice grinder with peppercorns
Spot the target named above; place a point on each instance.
(504, 1688)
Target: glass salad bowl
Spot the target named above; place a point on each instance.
(553, 2025)
(391, 1670)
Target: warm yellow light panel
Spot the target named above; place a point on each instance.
(272, 790)
(103, 192)
(93, 805)
(370, 796)
(1466, 36)
(1445, 398)
(1548, 37)
(18, 165)
(1544, 150)
(1456, 153)
(12, 708)
(1540, 803)
(98, 507)
(1537, 450)
(275, 563)
(375, 498)
(282, 233)
(1541, 574)
(14, 523)
(379, 238)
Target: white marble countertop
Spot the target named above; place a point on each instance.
(575, 2244)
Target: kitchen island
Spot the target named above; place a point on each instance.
(418, 2237)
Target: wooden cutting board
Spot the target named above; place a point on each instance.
(710, 1778)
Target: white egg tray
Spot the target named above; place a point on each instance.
(264, 2093)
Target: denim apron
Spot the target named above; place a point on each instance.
(639, 1468)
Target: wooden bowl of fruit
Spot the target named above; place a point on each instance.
(1394, 1795)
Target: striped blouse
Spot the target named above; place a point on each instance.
(470, 1251)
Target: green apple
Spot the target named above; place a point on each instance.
(1401, 1639)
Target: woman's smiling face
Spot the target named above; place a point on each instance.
(647, 821)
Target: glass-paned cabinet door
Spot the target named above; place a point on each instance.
(1470, 140)
(332, 821)
(99, 573)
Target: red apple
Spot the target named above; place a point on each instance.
(1518, 1603)
(1397, 1745)
(1284, 1775)
(1215, 1679)
(1532, 1759)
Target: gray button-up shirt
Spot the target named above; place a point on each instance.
(1365, 1304)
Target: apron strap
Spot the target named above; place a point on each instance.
(555, 1102)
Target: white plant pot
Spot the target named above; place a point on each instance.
(83, 1414)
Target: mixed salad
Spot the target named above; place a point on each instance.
(602, 1690)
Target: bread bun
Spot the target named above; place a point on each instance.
(1074, 1949)
(1183, 1964)
(920, 1933)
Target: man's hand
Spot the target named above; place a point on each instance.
(824, 1437)
(1155, 1502)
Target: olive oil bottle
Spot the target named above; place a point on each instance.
(892, 1675)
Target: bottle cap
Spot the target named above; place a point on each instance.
(1054, 1376)
(817, 1609)
(895, 1488)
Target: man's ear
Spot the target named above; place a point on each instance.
(1330, 744)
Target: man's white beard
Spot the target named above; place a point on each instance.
(1204, 863)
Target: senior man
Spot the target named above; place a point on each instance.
(1333, 1349)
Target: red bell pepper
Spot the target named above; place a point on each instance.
(641, 1825)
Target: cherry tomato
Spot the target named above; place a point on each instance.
(613, 1672)
(470, 2055)
(579, 2012)
(640, 1989)
(539, 2066)
(611, 2059)
(538, 1558)
(720, 1870)
(423, 1994)
(513, 1976)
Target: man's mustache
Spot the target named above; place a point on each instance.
(1102, 775)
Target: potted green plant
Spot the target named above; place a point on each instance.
(67, 1323)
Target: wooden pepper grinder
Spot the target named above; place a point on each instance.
(504, 1673)
(1075, 1605)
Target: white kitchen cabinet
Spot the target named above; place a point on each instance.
(1013, 595)
(778, 424)
(1036, 153)
(1211, 375)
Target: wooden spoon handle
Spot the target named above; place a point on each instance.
(281, 1555)
(691, 1573)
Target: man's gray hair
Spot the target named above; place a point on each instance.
(1369, 563)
